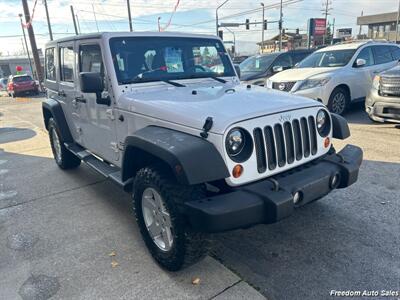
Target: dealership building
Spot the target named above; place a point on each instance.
(381, 26)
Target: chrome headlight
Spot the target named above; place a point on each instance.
(323, 123)
(376, 84)
(239, 145)
(313, 83)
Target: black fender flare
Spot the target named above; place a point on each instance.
(340, 127)
(193, 160)
(52, 109)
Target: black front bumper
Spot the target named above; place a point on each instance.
(269, 201)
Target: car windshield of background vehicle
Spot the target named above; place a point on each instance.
(327, 59)
(146, 59)
(257, 64)
(22, 78)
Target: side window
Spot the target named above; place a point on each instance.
(395, 52)
(50, 66)
(298, 57)
(284, 61)
(67, 60)
(90, 59)
(382, 54)
(367, 55)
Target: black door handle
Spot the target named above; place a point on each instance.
(61, 93)
(80, 99)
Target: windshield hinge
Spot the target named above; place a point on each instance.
(207, 127)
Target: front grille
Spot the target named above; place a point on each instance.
(283, 86)
(282, 144)
(390, 86)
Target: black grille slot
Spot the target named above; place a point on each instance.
(306, 137)
(271, 149)
(283, 86)
(260, 150)
(313, 134)
(289, 142)
(297, 140)
(280, 145)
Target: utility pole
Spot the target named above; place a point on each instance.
(216, 16)
(234, 40)
(31, 34)
(129, 15)
(333, 28)
(326, 13)
(48, 20)
(280, 26)
(263, 24)
(73, 19)
(26, 45)
(95, 18)
(79, 25)
(397, 22)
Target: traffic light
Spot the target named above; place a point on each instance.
(221, 34)
(247, 24)
(265, 24)
(297, 31)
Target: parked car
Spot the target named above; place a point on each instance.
(22, 85)
(257, 69)
(199, 152)
(239, 59)
(3, 84)
(338, 75)
(383, 101)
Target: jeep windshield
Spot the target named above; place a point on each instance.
(148, 59)
(327, 59)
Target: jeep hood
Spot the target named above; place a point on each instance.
(297, 74)
(226, 104)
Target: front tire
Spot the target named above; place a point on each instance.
(165, 231)
(339, 101)
(63, 157)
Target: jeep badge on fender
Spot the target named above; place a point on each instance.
(164, 116)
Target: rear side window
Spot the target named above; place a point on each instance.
(67, 60)
(366, 54)
(22, 78)
(382, 54)
(90, 59)
(395, 52)
(50, 64)
(284, 61)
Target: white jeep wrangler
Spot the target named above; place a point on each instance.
(164, 116)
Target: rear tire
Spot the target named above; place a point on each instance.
(165, 231)
(64, 158)
(339, 101)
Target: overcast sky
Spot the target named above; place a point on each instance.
(191, 16)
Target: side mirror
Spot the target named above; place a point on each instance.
(360, 62)
(237, 69)
(277, 69)
(92, 82)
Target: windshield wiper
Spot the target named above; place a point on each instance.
(208, 76)
(173, 83)
(217, 79)
(139, 79)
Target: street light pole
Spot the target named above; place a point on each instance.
(26, 45)
(397, 22)
(280, 27)
(262, 31)
(216, 16)
(234, 41)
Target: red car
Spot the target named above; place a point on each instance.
(21, 84)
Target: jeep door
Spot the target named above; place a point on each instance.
(99, 134)
(66, 89)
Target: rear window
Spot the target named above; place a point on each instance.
(22, 78)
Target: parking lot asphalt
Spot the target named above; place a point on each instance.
(58, 229)
(72, 235)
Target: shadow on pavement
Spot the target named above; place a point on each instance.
(14, 134)
(348, 240)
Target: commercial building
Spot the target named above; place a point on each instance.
(8, 65)
(381, 26)
(290, 41)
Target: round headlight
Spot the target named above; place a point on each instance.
(323, 123)
(239, 144)
(235, 142)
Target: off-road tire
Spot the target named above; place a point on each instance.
(188, 246)
(331, 103)
(67, 160)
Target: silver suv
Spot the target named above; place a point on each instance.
(164, 116)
